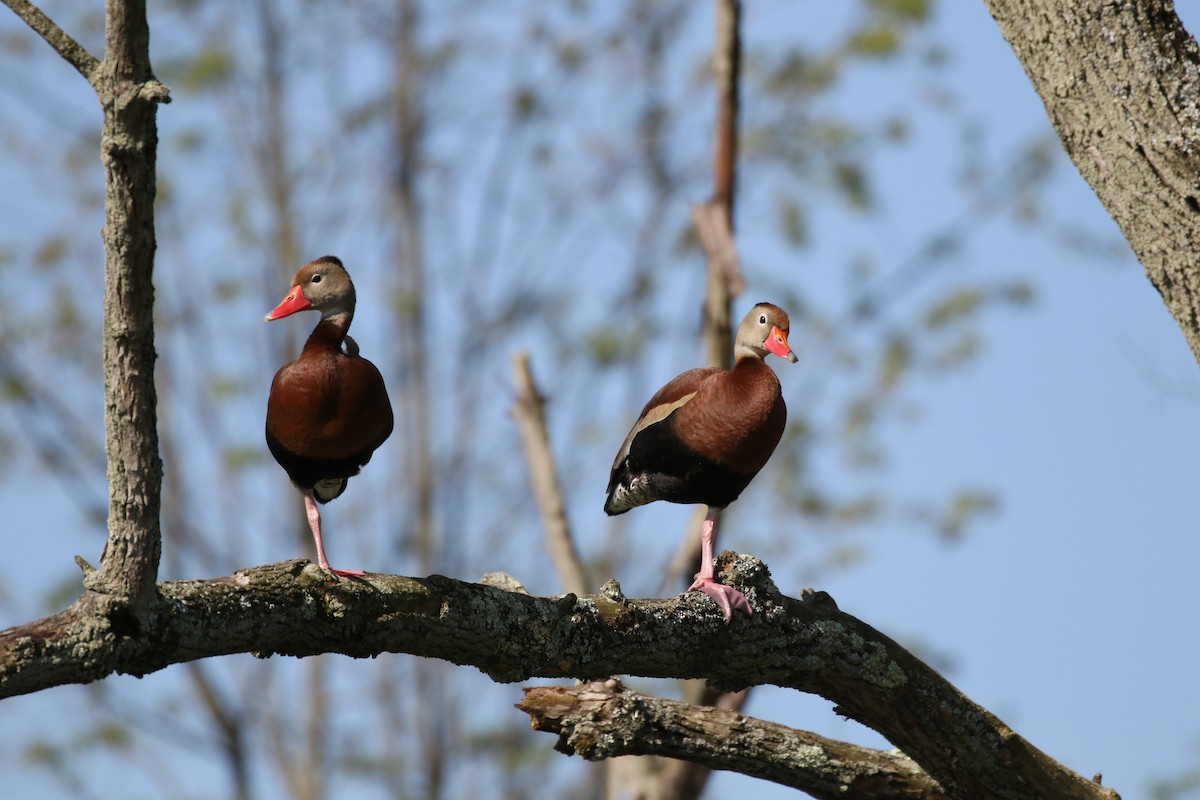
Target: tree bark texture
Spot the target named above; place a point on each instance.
(603, 719)
(1121, 84)
(714, 218)
(295, 609)
(129, 96)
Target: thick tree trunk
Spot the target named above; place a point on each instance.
(1121, 84)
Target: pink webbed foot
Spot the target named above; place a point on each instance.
(342, 573)
(727, 598)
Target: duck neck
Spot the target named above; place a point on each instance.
(330, 331)
(745, 353)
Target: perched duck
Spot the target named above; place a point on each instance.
(704, 436)
(328, 410)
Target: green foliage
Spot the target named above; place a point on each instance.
(1181, 787)
(189, 140)
(609, 347)
(792, 221)
(240, 458)
(960, 510)
(896, 360)
(66, 319)
(107, 735)
(227, 289)
(954, 307)
(876, 42)
(840, 513)
(571, 55)
(904, 10)
(51, 252)
(42, 753)
(224, 387)
(63, 762)
(797, 74)
(63, 592)
(852, 183)
(208, 70)
(525, 103)
(896, 130)
(13, 387)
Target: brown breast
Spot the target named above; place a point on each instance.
(326, 406)
(736, 418)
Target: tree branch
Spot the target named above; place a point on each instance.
(295, 609)
(603, 719)
(129, 96)
(714, 219)
(71, 51)
(1121, 84)
(530, 414)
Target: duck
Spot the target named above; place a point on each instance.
(328, 411)
(703, 437)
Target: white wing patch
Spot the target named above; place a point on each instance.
(656, 414)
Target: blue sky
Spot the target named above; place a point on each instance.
(1065, 612)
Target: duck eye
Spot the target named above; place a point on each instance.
(762, 319)
(316, 279)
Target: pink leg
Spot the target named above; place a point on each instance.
(726, 597)
(314, 522)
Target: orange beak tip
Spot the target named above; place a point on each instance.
(777, 343)
(295, 301)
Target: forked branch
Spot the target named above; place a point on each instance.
(71, 51)
(295, 609)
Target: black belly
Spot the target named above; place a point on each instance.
(676, 474)
(305, 472)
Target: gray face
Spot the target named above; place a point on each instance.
(756, 327)
(327, 286)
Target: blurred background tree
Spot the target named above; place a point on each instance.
(497, 177)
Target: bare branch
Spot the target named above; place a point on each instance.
(717, 235)
(727, 69)
(129, 96)
(229, 724)
(603, 719)
(713, 229)
(72, 51)
(530, 414)
(295, 609)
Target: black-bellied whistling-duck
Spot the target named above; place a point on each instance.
(328, 410)
(704, 436)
